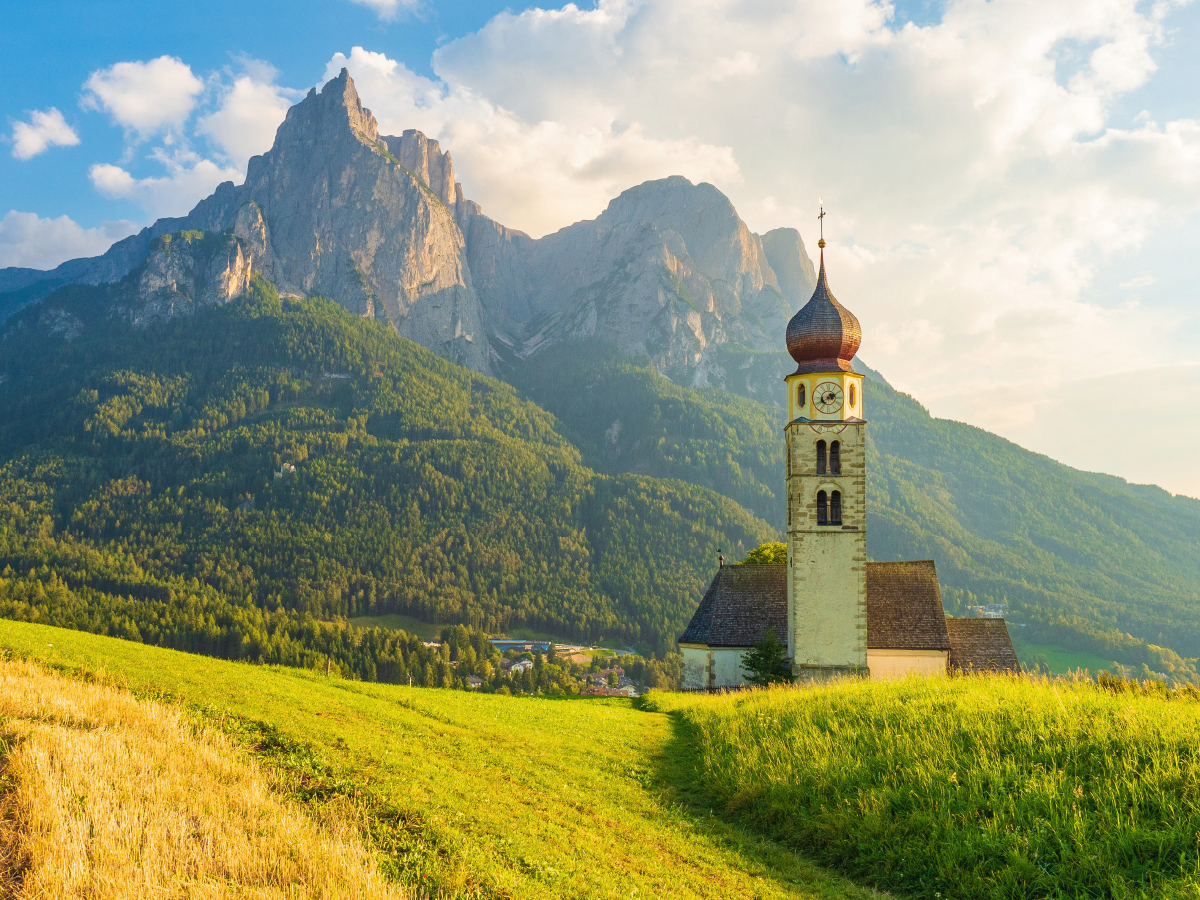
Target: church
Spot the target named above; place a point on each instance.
(839, 614)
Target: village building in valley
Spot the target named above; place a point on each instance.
(838, 613)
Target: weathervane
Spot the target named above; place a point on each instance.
(821, 219)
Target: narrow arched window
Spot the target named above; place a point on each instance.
(820, 457)
(853, 396)
(835, 508)
(835, 458)
(800, 398)
(822, 508)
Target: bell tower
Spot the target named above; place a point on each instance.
(826, 490)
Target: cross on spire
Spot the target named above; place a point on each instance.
(821, 220)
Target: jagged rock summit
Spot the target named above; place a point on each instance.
(379, 224)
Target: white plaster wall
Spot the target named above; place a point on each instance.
(890, 664)
(695, 667)
(728, 663)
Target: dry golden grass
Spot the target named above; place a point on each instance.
(103, 797)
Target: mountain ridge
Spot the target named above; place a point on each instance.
(379, 224)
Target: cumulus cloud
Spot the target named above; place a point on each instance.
(189, 179)
(388, 10)
(535, 176)
(145, 98)
(29, 241)
(250, 110)
(45, 128)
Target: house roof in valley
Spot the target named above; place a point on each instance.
(904, 607)
(981, 645)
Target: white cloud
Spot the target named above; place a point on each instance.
(45, 128)
(249, 113)
(29, 241)
(1140, 281)
(188, 180)
(532, 176)
(145, 98)
(388, 10)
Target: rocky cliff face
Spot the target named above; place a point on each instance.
(378, 224)
(332, 210)
(668, 270)
(182, 273)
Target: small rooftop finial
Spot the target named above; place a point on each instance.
(821, 219)
(720, 559)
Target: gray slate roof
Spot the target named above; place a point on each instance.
(981, 645)
(904, 607)
(739, 606)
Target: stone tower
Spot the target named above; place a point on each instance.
(826, 492)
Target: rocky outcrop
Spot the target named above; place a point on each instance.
(423, 158)
(182, 273)
(669, 270)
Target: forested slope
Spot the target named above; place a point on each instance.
(1085, 561)
(138, 494)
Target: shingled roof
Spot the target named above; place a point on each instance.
(740, 605)
(904, 607)
(981, 645)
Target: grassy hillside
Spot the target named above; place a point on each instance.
(1086, 562)
(972, 787)
(138, 495)
(462, 795)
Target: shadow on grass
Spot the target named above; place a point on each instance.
(673, 772)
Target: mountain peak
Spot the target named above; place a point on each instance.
(326, 114)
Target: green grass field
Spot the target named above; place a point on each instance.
(1059, 660)
(427, 631)
(468, 795)
(971, 787)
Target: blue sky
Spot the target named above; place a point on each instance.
(1013, 185)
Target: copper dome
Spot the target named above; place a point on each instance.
(823, 336)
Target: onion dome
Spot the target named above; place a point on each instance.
(823, 336)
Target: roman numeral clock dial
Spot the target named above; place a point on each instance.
(827, 396)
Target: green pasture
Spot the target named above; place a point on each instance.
(426, 631)
(467, 795)
(1060, 661)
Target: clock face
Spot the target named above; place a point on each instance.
(827, 396)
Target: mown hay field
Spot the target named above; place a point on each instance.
(105, 797)
(980, 787)
(456, 794)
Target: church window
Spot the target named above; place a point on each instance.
(835, 458)
(820, 457)
(852, 396)
(800, 398)
(835, 508)
(822, 508)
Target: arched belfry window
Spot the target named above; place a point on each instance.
(853, 396)
(800, 397)
(835, 508)
(821, 458)
(822, 508)
(835, 458)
